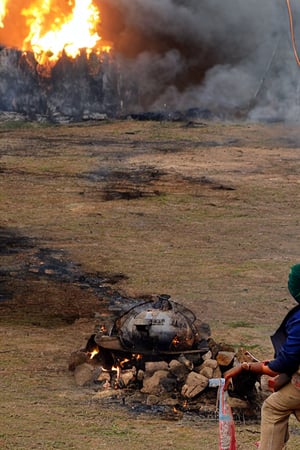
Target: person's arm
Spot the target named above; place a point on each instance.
(259, 368)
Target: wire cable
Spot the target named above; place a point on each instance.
(292, 31)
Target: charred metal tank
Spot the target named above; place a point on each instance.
(161, 326)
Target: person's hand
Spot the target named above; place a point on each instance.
(255, 367)
(231, 373)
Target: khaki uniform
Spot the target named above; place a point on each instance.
(276, 411)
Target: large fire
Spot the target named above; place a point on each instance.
(50, 28)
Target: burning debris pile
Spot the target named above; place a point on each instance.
(158, 353)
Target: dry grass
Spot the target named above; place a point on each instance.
(218, 230)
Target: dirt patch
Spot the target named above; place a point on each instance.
(96, 213)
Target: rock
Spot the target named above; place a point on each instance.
(208, 368)
(217, 373)
(152, 385)
(184, 360)
(225, 358)
(84, 374)
(126, 377)
(209, 363)
(207, 372)
(178, 369)
(207, 355)
(214, 347)
(76, 359)
(104, 376)
(153, 366)
(194, 384)
(169, 384)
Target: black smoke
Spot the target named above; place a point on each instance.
(222, 55)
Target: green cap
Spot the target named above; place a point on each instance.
(294, 282)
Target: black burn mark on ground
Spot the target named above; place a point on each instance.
(45, 282)
(11, 246)
(210, 183)
(126, 183)
(53, 264)
(145, 181)
(11, 242)
(174, 116)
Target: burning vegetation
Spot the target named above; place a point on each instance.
(54, 63)
(78, 60)
(50, 28)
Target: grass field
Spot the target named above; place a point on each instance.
(206, 212)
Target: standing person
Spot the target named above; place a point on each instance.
(285, 367)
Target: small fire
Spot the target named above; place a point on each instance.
(117, 371)
(126, 362)
(93, 353)
(175, 341)
(53, 27)
(103, 329)
(112, 369)
(123, 362)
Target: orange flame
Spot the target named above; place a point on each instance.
(175, 341)
(103, 329)
(123, 362)
(94, 352)
(54, 27)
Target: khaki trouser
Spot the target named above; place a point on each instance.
(276, 411)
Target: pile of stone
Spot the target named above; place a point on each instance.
(182, 381)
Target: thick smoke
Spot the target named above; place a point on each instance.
(221, 55)
(232, 58)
